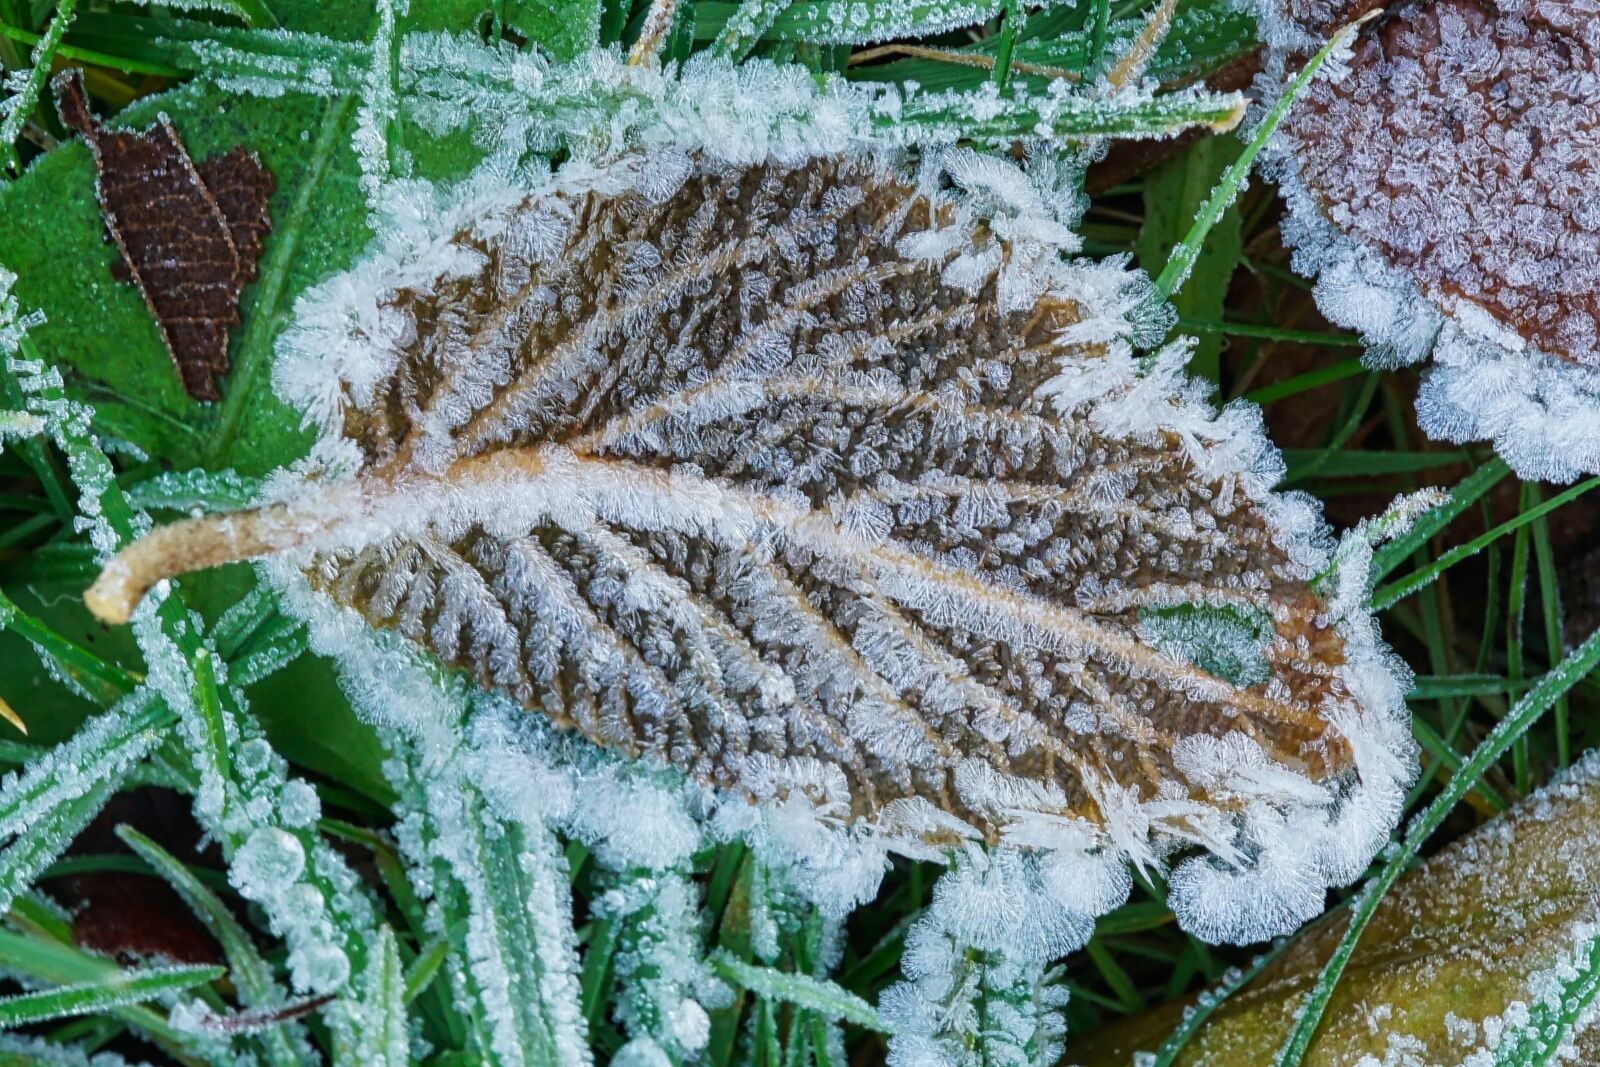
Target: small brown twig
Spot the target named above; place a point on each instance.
(960, 59)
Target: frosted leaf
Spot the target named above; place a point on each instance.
(1445, 194)
(835, 487)
(1485, 954)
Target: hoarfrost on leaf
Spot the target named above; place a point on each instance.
(1444, 195)
(1487, 953)
(836, 483)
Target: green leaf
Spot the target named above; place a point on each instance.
(562, 28)
(113, 991)
(825, 998)
(1227, 640)
(1173, 193)
(100, 329)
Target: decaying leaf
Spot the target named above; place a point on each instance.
(819, 479)
(189, 234)
(1472, 959)
(1447, 191)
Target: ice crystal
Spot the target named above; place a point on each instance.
(25, 1048)
(980, 995)
(1445, 195)
(837, 485)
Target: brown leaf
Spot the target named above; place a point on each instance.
(1453, 956)
(738, 479)
(189, 235)
(1462, 146)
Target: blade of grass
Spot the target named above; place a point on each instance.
(1268, 332)
(92, 57)
(1183, 257)
(21, 105)
(1341, 434)
(248, 971)
(1389, 595)
(1524, 714)
(1197, 1014)
(95, 678)
(113, 991)
(746, 26)
(1466, 493)
(425, 967)
(1517, 605)
(1550, 604)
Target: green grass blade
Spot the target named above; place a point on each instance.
(1301, 383)
(381, 1038)
(114, 991)
(20, 106)
(425, 967)
(829, 22)
(1183, 257)
(1550, 605)
(46, 959)
(1195, 1017)
(1394, 592)
(1271, 333)
(752, 20)
(818, 995)
(1345, 463)
(1364, 904)
(1173, 193)
(1466, 493)
(1020, 115)
(1555, 1015)
(248, 971)
(26, 858)
(224, 490)
(92, 677)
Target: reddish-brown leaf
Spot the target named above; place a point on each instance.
(189, 234)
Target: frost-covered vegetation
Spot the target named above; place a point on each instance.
(732, 535)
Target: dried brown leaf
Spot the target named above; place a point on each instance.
(1463, 146)
(189, 235)
(802, 478)
(1453, 958)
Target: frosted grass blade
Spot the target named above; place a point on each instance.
(116, 991)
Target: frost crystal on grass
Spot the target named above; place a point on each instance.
(977, 995)
(836, 484)
(1445, 194)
